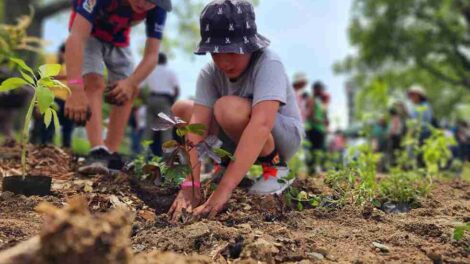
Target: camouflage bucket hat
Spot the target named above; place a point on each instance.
(228, 26)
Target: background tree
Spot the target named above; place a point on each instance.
(402, 42)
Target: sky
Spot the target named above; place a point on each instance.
(309, 36)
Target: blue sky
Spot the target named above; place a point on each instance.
(309, 35)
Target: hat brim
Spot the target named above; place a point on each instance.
(255, 43)
(165, 4)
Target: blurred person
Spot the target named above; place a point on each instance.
(137, 122)
(396, 130)
(163, 91)
(463, 139)
(244, 92)
(99, 37)
(299, 83)
(316, 126)
(421, 111)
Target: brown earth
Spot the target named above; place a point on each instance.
(252, 228)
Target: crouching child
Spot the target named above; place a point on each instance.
(243, 96)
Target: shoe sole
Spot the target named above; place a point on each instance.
(278, 192)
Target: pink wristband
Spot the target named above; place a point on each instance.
(75, 82)
(189, 184)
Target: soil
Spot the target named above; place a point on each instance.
(251, 229)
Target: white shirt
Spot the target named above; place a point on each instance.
(162, 81)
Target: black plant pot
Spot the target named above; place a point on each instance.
(30, 185)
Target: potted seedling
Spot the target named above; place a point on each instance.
(168, 172)
(43, 98)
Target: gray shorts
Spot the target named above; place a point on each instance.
(287, 137)
(98, 55)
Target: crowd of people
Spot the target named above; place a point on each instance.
(243, 95)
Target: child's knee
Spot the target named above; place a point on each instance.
(183, 109)
(94, 83)
(232, 110)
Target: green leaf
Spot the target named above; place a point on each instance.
(27, 77)
(182, 131)
(48, 117)
(300, 207)
(45, 98)
(49, 70)
(62, 86)
(56, 121)
(177, 173)
(12, 83)
(198, 129)
(22, 65)
(223, 153)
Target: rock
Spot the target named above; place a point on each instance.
(316, 255)
(6, 195)
(381, 247)
(322, 251)
(435, 257)
(261, 250)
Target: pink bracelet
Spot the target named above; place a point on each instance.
(75, 82)
(189, 184)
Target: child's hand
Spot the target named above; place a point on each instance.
(185, 200)
(122, 92)
(214, 204)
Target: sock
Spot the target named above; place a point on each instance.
(272, 159)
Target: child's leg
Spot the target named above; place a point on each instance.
(183, 109)
(118, 119)
(94, 89)
(232, 113)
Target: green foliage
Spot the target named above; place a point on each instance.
(459, 231)
(43, 97)
(403, 186)
(175, 166)
(14, 38)
(357, 181)
(298, 199)
(436, 152)
(405, 42)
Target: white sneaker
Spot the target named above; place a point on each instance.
(272, 181)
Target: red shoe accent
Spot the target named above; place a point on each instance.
(268, 171)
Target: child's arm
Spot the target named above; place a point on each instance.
(77, 104)
(249, 147)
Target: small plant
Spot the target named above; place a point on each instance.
(357, 180)
(176, 163)
(43, 97)
(299, 199)
(460, 230)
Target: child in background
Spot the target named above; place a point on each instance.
(245, 91)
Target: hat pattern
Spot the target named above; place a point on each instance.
(228, 26)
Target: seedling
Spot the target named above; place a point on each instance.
(43, 98)
(176, 163)
(460, 230)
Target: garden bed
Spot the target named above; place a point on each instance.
(253, 228)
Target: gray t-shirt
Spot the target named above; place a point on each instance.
(264, 80)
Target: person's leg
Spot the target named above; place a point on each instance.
(66, 125)
(120, 66)
(94, 89)
(233, 123)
